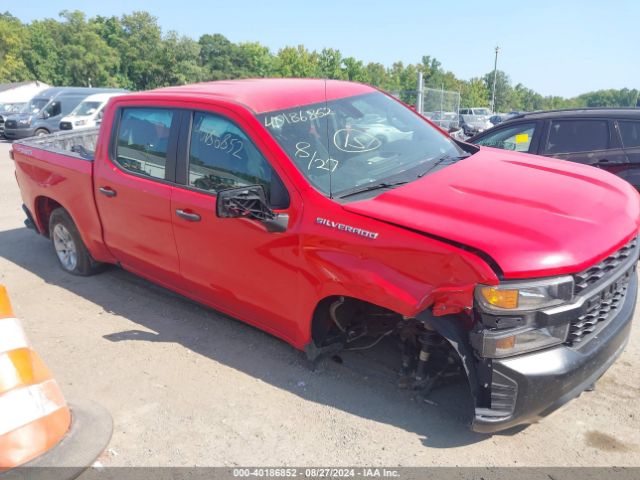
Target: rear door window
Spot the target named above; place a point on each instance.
(516, 138)
(573, 136)
(630, 133)
(143, 140)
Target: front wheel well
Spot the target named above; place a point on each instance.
(44, 207)
(326, 318)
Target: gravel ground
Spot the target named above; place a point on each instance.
(187, 386)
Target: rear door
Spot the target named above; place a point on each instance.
(630, 136)
(234, 264)
(592, 141)
(133, 191)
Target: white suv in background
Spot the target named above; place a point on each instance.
(88, 113)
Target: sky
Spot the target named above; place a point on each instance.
(559, 47)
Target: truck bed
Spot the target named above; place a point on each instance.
(79, 144)
(57, 170)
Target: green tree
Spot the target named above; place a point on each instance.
(84, 57)
(330, 64)
(354, 70)
(503, 90)
(42, 51)
(217, 57)
(255, 60)
(474, 93)
(12, 33)
(179, 61)
(140, 45)
(298, 62)
(377, 75)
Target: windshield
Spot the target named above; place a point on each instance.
(35, 105)
(86, 109)
(356, 141)
(482, 111)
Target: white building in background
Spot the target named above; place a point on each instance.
(20, 92)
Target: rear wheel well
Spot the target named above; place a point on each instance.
(44, 207)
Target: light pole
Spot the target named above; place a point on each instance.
(495, 77)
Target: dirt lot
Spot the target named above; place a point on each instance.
(187, 386)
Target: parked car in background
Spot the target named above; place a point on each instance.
(14, 96)
(503, 117)
(445, 120)
(43, 113)
(474, 124)
(88, 113)
(602, 137)
(483, 111)
(7, 109)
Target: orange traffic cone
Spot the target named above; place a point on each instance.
(35, 420)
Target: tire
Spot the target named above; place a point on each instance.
(71, 252)
(41, 132)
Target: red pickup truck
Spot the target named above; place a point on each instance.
(330, 215)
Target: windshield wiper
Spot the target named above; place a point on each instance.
(377, 186)
(451, 158)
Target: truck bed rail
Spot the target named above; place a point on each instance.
(80, 144)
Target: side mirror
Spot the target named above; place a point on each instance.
(249, 202)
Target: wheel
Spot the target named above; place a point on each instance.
(41, 132)
(72, 254)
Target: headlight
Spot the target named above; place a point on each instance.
(523, 296)
(80, 123)
(24, 122)
(509, 319)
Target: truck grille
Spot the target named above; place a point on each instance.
(66, 126)
(601, 308)
(605, 269)
(11, 124)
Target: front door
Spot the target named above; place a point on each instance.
(234, 264)
(133, 192)
(521, 137)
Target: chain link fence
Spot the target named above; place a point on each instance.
(441, 106)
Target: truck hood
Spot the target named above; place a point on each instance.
(533, 216)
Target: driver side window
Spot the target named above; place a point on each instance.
(516, 138)
(221, 156)
(54, 109)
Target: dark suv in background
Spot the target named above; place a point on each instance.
(605, 138)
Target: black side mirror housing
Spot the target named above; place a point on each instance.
(249, 202)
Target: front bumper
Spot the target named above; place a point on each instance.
(527, 387)
(18, 133)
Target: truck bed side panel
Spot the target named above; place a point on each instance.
(66, 180)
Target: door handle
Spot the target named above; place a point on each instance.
(191, 217)
(108, 191)
(601, 162)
